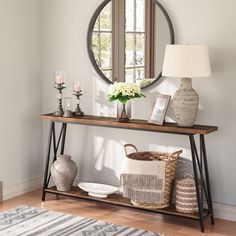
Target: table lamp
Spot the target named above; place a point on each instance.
(186, 61)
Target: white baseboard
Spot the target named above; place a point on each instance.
(225, 212)
(1, 198)
(21, 188)
(221, 211)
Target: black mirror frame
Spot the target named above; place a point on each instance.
(90, 35)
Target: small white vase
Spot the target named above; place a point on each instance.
(64, 171)
(185, 104)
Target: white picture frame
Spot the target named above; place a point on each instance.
(157, 116)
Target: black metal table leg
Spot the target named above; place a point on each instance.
(198, 190)
(63, 139)
(52, 125)
(202, 142)
(56, 144)
(201, 173)
(52, 142)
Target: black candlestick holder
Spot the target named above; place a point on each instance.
(78, 111)
(59, 111)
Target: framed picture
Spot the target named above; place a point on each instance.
(159, 110)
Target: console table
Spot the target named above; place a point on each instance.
(199, 160)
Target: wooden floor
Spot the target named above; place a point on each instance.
(153, 222)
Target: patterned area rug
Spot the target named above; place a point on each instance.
(30, 221)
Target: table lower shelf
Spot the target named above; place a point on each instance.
(117, 199)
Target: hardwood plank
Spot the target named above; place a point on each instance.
(133, 124)
(157, 223)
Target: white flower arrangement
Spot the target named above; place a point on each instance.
(123, 92)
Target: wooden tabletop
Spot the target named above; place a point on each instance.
(132, 124)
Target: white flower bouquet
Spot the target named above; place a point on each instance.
(123, 92)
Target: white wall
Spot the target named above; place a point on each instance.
(20, 96)
(98, 151)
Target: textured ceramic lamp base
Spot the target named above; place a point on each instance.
(185, 104)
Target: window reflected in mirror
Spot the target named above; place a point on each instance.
(128, 41)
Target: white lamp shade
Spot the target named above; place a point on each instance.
(186, 61)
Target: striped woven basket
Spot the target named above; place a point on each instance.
(170, 167)
(186, 197)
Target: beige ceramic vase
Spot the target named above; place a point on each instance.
(64, 171)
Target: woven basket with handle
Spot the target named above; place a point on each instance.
(170, 167)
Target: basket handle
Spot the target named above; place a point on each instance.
(176, 154)
(188, 175)
(129, 145)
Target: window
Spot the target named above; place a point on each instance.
(123, 38)
(134, 40)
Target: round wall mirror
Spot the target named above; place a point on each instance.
(127, 39)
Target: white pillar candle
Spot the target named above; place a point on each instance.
(77, 87)
(59, 79)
